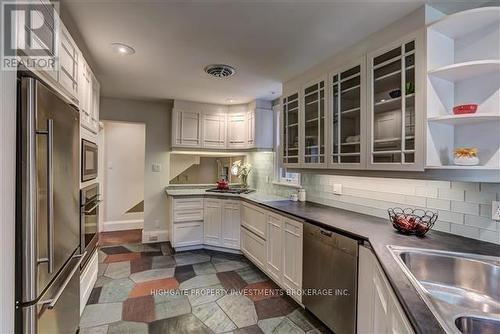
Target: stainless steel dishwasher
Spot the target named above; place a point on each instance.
(330, 278)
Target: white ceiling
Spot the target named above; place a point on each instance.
(267, 42)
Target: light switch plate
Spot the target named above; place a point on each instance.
(337, 188)
(495, 210)
(156, 167)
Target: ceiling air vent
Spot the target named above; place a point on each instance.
(220, 70)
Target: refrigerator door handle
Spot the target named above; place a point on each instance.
(53, 301)
(50, 195)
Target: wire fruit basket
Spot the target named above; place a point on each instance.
(412, 221)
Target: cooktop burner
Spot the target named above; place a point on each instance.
(231, 190)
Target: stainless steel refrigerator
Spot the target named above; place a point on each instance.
(47, 222)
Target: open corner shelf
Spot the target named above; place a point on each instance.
(466, 70)
(462, 23)
(465, 119)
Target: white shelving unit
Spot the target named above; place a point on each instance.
(463, 67)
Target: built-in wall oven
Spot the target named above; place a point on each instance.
(89, 160)
(89, 221)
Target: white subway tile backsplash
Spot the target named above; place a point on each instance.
(464, 230)
(481, 222)
(485, 210)
(452, 217)
(490, 187)
(426, 191)
(434, 203)
(490, 236)
(465, 207)
(415, 200)
(480, 197)
(439, 184)
(451, 194)
(468, 186)
(443, 226)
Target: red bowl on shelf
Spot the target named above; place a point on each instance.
(465, 109)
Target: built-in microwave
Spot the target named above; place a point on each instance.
(89, 160)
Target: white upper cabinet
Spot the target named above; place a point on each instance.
(290, 130)
(347, 117)
(88, 97)
(211, 126)
(251, 128)
(186, 128)
(214, 130)
(395, 106)
(314, 124)
(68, 60)
(237, 130)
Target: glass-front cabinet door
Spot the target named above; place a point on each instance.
(314, 124)
(347, 108)
(290, 130)
(394, 100)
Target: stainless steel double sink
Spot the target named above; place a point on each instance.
(461, 289)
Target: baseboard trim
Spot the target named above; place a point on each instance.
(122, 225)
(154, 236)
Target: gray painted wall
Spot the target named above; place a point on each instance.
(156, 116)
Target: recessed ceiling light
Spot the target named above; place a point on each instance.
(230, 100)
(123, 49)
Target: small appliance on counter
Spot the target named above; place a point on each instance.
(222, 184)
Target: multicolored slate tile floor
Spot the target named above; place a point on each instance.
(146, 288)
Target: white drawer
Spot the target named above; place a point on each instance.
(188, 234)
(254, 218)
(188, 215)
(188, 203)
(254, 247)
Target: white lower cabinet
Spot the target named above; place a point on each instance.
(292, 254)
(254, 219)
(187, 234)
(231, 217)
(378, 308)
(213, 222)
(88, 278)
(274, 256)
(254, 247)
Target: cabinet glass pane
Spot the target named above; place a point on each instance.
(335, 117)
(346, 116)
(409, 110)
(387, 107)
(314, 123)
(291, 129)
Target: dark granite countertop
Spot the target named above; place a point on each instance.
(379, 233)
